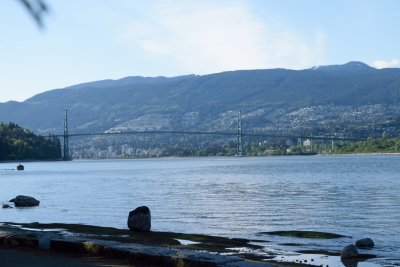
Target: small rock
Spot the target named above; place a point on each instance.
(20, 167)
(6, 206)
(25, 201)
(349, 251)
(140, 219)
(365, 243)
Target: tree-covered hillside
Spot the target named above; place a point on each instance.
(17, 143)
(383, 145)
(351, 100)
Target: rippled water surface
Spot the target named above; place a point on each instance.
(356, 196)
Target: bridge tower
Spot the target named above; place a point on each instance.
(66, 148)
(239, 151)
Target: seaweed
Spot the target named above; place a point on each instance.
(304, 234)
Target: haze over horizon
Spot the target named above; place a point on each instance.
(172, 38)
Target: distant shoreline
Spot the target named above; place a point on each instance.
(29, 160)
(363, 154)
(244, 156)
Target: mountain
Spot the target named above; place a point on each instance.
(324, 98)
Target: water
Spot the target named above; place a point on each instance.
(356, 196)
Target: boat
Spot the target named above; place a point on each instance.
(20, 167)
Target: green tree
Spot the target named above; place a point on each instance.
(17, 143)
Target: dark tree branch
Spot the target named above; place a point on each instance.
(37, 9)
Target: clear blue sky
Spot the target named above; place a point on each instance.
(87, 40)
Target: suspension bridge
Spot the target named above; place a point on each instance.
(239, 134)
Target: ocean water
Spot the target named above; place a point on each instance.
(356, 196)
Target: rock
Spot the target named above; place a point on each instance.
(350, 262)
(25, 201)
(365, 243)
(349, 251)
(6, 206)
(20, 167)
(140, 219)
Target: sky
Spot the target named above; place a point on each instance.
(90, 40)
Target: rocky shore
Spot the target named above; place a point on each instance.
(156, 248)
(138, 244)
(160, 248)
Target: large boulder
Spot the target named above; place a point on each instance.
(140, 219)
(25, 201)
(365, 243)
(349, 251)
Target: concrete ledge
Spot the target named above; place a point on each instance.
(19, 242)
(115, 253)
(69, 246)
(18, 238)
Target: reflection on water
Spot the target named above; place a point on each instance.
(322, 260)
(355, 196)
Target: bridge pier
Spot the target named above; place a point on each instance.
(239, 151)
(65, 136)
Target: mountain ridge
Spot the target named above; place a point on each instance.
(350, 66)
(206, 101)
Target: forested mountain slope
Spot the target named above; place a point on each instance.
(269, 99)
